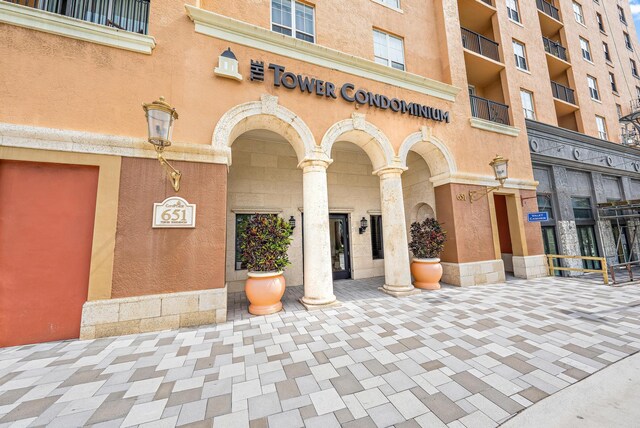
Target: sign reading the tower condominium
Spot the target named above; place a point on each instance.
(348, 92)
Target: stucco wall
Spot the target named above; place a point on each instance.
(417, 190)
(155, 261)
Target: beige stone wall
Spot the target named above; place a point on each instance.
(264, 178)
(419, 196)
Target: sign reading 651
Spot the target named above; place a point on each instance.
(174, 212)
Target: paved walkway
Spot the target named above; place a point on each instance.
(464, 357)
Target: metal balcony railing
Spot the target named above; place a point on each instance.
(479, 44)
(128, 15)
(548, 9)
(483, 108)
(555, 48)
(563, 93)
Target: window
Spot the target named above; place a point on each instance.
(607, 55)
(627, 40)
(282, 19)
(600, 22)
(544, 204)
(602, 127)
(377, 249)
(527, 104)
(577, 12)
(637, 91)
(586, 49)
(593, 88)
(634, 68)
(388, 50)
(623, 18)
(512, 10)
(520, 55)
(612, 79)
(581, 208)
(392, 3)
(619, 110)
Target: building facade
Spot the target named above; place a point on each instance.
(350, 123)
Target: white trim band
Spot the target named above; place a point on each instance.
(224, 28)
(40, 20)
(487, 125)
(31, 137)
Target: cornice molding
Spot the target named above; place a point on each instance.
(40, 20)
(232, 30)
(31, 137)
(487, 125)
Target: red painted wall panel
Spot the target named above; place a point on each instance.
(502, 217)
(46, 228)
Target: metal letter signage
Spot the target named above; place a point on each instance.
(174, 212)
(539, 216)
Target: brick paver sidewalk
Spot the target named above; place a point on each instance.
(466, 357)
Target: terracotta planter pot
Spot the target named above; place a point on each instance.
(427, 273)
(264, 291)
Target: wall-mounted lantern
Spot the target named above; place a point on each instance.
(160, 117)
(500, 167)
(292, 222)
(363, 225)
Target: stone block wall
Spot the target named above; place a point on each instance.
(475, 273)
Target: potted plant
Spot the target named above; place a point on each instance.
(427, 242)
(264, 240)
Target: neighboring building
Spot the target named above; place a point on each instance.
(386, 111)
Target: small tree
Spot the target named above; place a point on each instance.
(427, 239)
(264, 241)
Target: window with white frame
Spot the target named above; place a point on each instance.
(586, 49)
(593, 88)
(627, 40)
(393, 3)
(621, 15)
(388, 49)
(602, 127)
(293, 18)
(600, 22)
(634, 68)
(577, 12)
(607, 54)
(527, 104)
(520, 55)
(512, 10)
(612, 79)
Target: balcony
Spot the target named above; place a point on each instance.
(549, 15)
(483, 108)
(480, 44)
(555, 48)
(476, 15)
(557, 59)
(564, 99)
(128, 15)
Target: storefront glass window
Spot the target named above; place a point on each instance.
(544, 205)
(582, 208)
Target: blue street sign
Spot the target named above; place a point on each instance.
(540, 216)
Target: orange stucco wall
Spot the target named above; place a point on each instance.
(153, 261)
(46, 228)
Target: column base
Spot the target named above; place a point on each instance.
(395, 291)
(530, 267)
(311, 304)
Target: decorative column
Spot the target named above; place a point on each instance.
(318, 276)
(397, 274)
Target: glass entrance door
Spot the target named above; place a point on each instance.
(340, 254)
(550, 245)
(588, 246)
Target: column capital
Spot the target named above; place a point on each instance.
(390, 170)
(322, 162)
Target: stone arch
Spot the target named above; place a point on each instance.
(365, 135)
(260, 115)
(435, 153)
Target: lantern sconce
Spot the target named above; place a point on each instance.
(292, 222)
(160, 117)
(501, 172)
(363, 225)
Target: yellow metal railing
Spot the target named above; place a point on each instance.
(603, 263)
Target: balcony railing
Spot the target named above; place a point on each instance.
(129, 15)
(563, 93)
(555, 48)
(548, 9)
(479, 44)
(489, 110)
